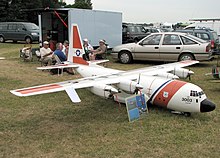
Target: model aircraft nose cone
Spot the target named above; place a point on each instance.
(206, 106)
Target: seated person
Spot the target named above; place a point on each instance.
(25, 52)
(88, 48)
(65, 47)
(58, 52)
(46, 54)
(99, 53)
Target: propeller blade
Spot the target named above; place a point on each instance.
(139, 77)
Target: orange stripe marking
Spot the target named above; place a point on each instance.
(38, 89)
(76, 39)
(80, 60)
(165, 94)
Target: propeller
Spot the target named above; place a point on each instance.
(189, 74)
(183, 73)
(138, 87)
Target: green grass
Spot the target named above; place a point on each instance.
(52, 126)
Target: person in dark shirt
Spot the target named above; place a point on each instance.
(59, 53)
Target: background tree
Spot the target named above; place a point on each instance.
(82, 4)
(25, 10)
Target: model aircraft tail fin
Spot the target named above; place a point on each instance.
(76, 50)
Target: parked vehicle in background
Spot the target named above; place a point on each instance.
(151, 29)
(132, 32)
(167, 27)
(164, 46)
(19, 31)
(209, 23)
(205, 34)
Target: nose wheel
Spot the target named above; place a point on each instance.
(187, 114)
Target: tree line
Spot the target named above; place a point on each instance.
(26, 10)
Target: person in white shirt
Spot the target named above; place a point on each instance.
(46, 54)
(65, 47)
(87, 48)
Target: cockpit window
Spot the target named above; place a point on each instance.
(201, 93)
(195, 93)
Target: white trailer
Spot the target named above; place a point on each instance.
(213, 24)
(93, 24)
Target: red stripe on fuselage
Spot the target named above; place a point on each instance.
(167, 92)
(38, 89)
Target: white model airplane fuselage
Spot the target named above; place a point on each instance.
(158, 83)
(165, 92)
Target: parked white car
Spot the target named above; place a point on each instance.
(164, 46)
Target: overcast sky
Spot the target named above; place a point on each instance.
(146, 11)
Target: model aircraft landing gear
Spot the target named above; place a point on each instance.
(187, 114)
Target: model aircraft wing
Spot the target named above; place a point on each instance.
(68, 86)
(71, 65)
(154, 70)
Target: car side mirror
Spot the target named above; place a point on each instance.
(141, 44)
(24, 29)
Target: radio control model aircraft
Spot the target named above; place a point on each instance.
(157, 83)
(215, 72)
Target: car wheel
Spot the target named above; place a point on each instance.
(125, 57)
(2, 40)
(186, 56)
(28, 40)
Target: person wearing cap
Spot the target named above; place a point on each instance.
(87, 48)
(99, 52)
(46, 54)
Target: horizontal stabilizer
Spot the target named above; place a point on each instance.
(94, 62)
(72, 94)
(58, 66)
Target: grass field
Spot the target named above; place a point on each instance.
(52, 126)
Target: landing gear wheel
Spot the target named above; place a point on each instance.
(187, 114)
(125, 57)
(186, 57)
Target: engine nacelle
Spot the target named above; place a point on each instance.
(129, 86)
(103, 90)
(182, 73)
(168, 75)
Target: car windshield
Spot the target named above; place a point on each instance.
(32, 27)
(195, 38)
